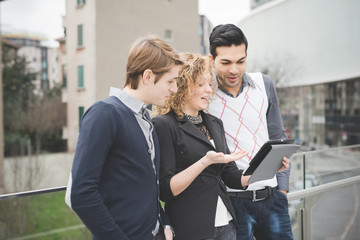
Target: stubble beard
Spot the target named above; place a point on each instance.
(224, 84)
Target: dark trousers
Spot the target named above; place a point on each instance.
(226, 232)
(266, 220)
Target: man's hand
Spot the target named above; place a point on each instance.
(284, 192)
(168, 234)
(285, 164)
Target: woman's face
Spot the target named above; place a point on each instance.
(198, 98)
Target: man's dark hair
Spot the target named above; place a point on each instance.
(226, 35)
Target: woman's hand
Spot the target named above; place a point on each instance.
(183, 179)
(285, 164)
(213, 157)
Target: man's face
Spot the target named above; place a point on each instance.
(230, 67)
(164, 87)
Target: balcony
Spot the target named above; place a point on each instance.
(324, 202)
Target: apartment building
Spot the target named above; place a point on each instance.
(205, 30)
(98, 38)
(41, 59)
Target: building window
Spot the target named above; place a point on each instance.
(81, 2)
(45, 85)
(44, 81)
(43, 53)
(80, 35)
(168, 35)
(80, 72)
(81, 113)
(44, 76)
(64, 76)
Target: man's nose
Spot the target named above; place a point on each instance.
(233, 69)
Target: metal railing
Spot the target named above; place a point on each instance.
(310, 198)
(32, 193)
(305, 202)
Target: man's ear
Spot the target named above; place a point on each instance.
(211, 58)
(148, 77)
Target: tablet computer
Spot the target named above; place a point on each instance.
(268, 159)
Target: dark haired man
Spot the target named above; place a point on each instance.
(113, 185)
(247, 103)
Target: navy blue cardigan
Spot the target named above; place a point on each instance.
(114, 188)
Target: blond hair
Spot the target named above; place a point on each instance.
(195, 66)
(149, 53)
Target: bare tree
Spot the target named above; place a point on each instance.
(46, 115)
(283, 69)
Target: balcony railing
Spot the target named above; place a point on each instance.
(325, 194)
(324, 202)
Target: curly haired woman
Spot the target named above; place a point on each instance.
(195, 163)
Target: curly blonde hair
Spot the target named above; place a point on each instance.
(195, 66)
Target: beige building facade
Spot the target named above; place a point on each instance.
(98, 38)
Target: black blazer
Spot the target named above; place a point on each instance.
(192, 213)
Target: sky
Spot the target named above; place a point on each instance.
(43, 18)
(224, 11)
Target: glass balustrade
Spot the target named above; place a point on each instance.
(328, 213)
(333, 213)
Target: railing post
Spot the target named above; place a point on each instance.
(307, 220)
(304, 172)
(302, 223)
(2, 181)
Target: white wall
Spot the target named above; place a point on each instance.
(314, 41)
(37, 172)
